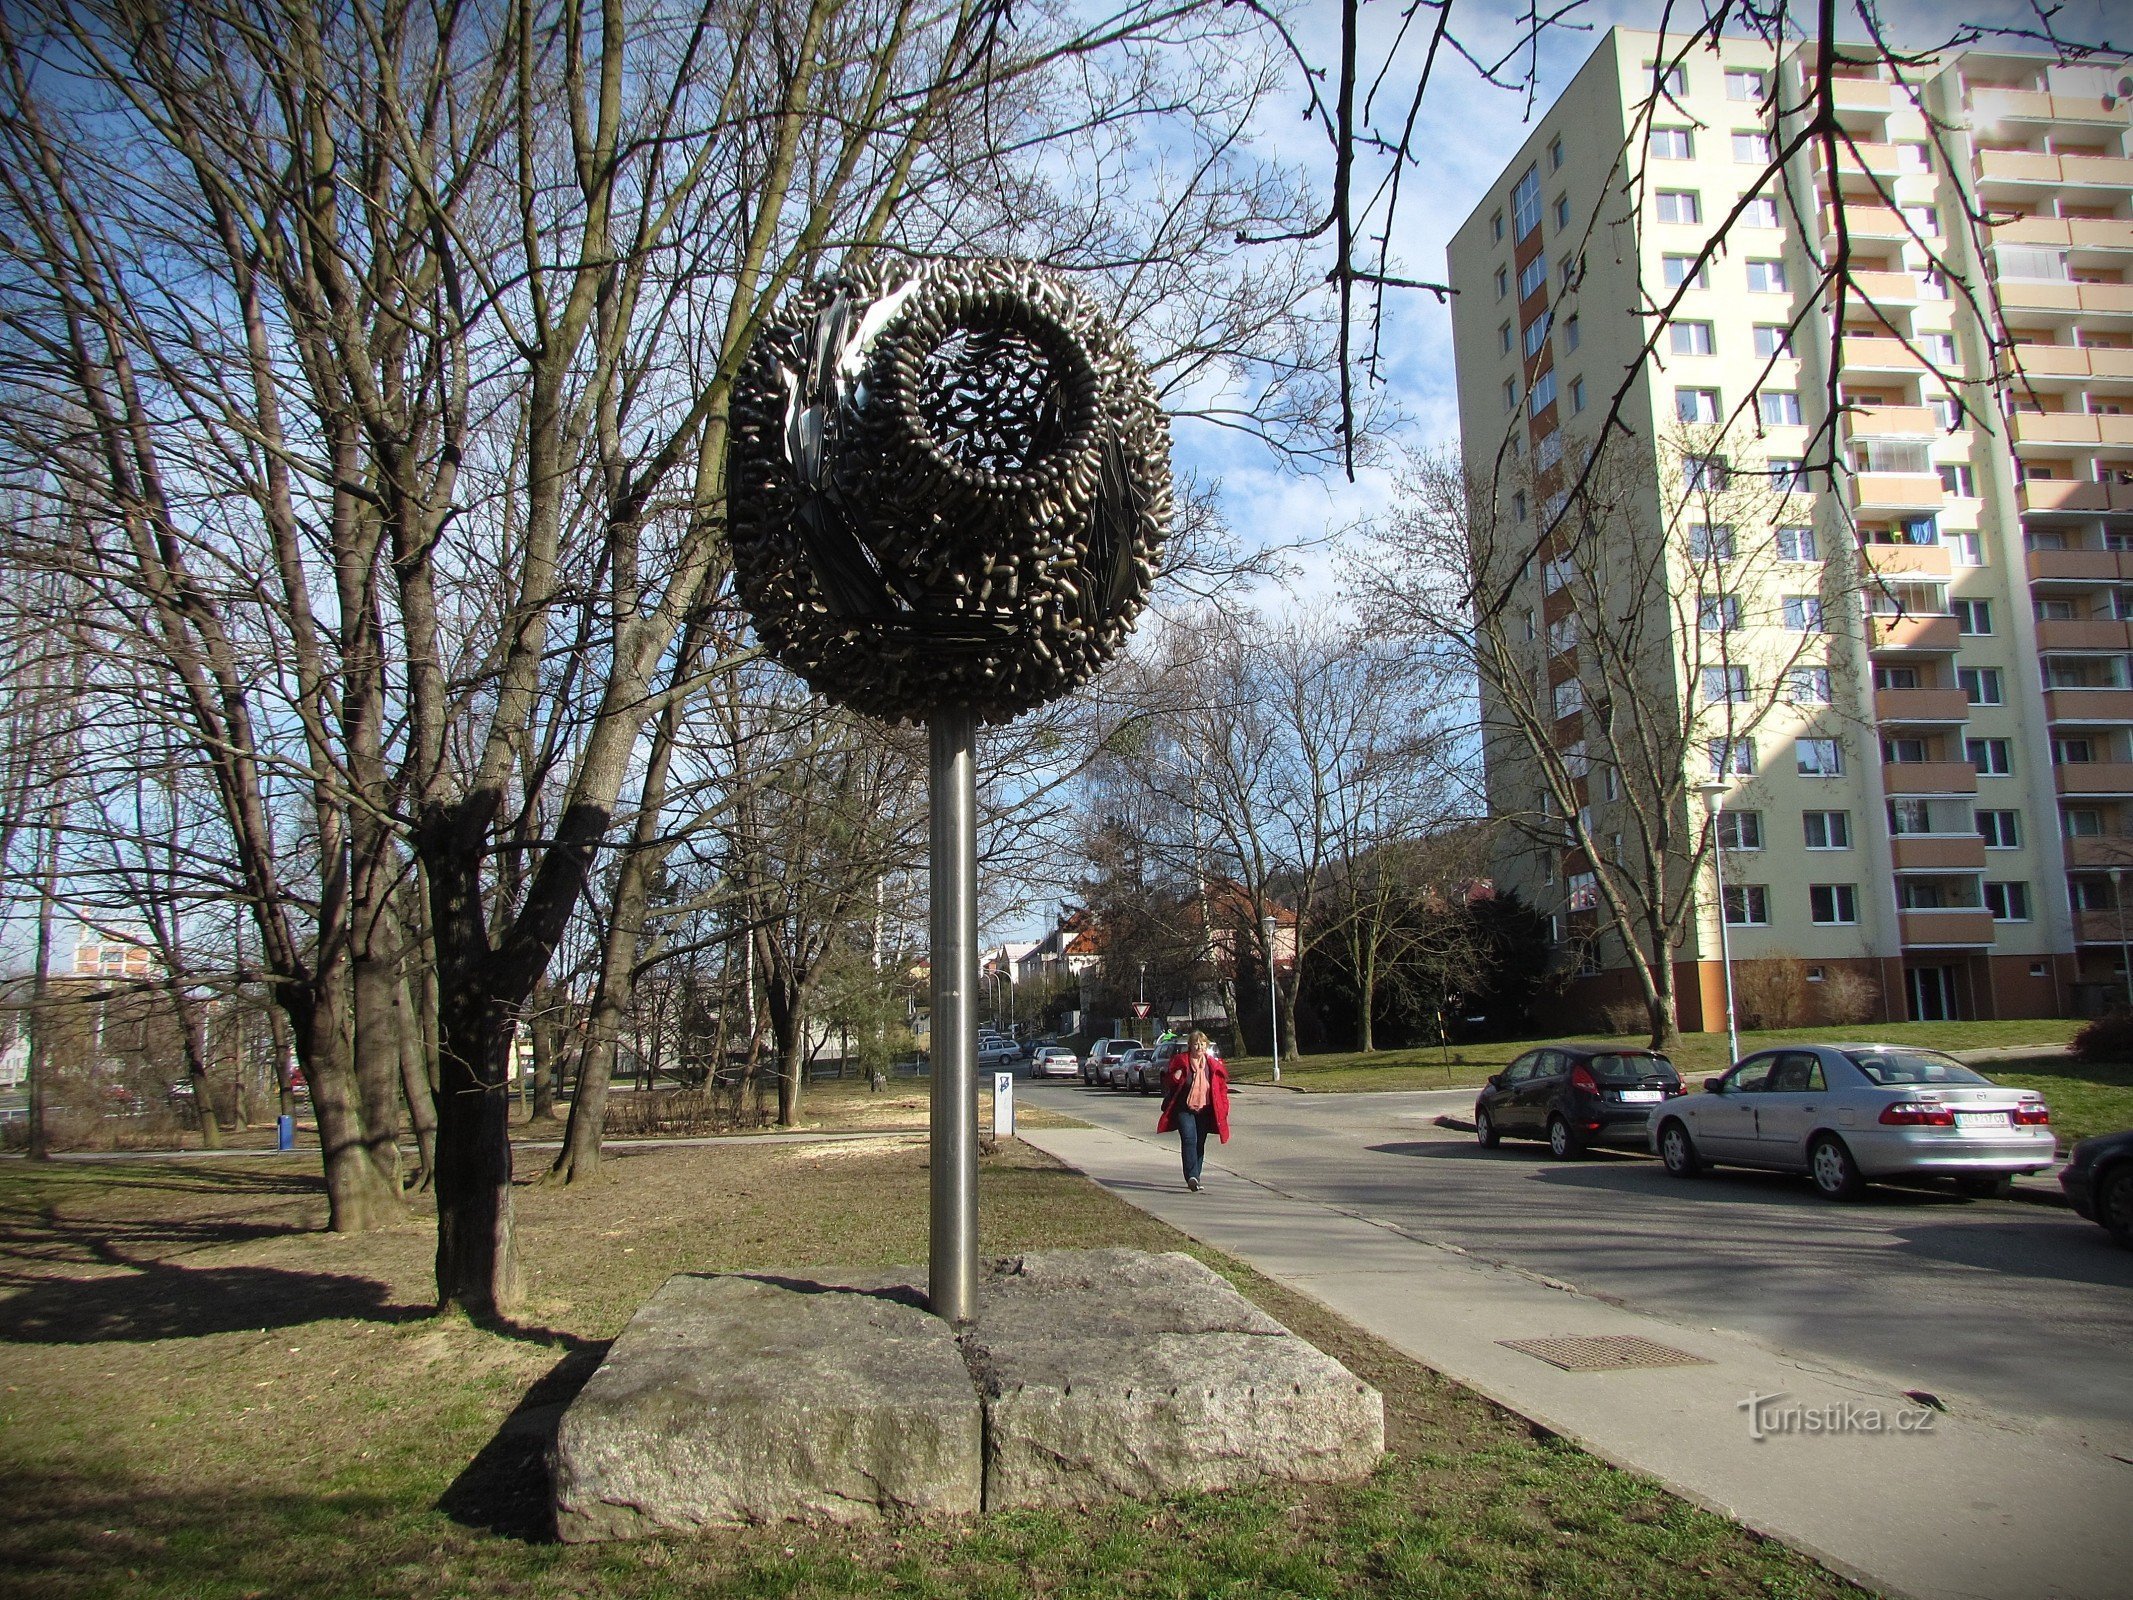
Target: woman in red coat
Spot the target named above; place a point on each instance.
(1195, 1099)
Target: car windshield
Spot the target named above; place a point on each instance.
(1630, 1069)
(1911, 1066)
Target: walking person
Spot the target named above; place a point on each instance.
(1195, 1100)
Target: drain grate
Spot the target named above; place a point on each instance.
(1609, 1354)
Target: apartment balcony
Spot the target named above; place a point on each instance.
(1888, 288)
(1865, 158)
(2074, 233)
(2043, 362)
(2019, 168)
(1866, 355)
(1921, 706)
(2089, 705)
(1897, 491)
(1951, 926)
(2099, 851)
(1865, 222)
(1862, 94)
(1933, 852)
(2086, 633)
(2040, 294)
(2077, 428)
(2102, 927)
(1928, 777)
(1989, 106)
(1907, 560)
(1913, 635)
(2096, 778)
(2096, 172)
(1894, 422)
(2073, 496)
(2115, 299)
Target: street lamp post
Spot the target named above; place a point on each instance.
(2118, 899)
(1273, 997)
(1713, 798)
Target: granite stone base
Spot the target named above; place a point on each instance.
(837, 1398)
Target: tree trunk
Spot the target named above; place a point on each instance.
(357, 1195)
(477, 1247)
(546, 1063)
(580, 1156)
(40, 1062)
(420, 1095)
(788, 1023)
(1366, 983)
(192, 1027)
(374, 967)
(284, 1059)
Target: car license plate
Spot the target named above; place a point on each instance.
(1981, 1119)
(1643, 1096)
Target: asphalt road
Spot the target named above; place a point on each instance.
(2021, 1307)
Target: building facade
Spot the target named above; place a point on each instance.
(1883, 529)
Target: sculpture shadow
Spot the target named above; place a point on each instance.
(504, 1490)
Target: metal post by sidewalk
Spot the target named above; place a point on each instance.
(1714, 794)
(1273, 998)
(952, 1235)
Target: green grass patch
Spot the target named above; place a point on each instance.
(208, 1398)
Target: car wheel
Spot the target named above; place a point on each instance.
(1678, 1151)
(1835, 1173)
(1984, 1188)
(1485, 1133)
(1562, 1144)
(2114, 1204)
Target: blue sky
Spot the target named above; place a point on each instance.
(1469, 129)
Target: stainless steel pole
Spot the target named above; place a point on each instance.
(952, 1255)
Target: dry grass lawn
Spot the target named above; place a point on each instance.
(206, 1396)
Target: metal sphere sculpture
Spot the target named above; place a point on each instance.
(946, 487)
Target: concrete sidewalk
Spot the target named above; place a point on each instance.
(1897, 1496)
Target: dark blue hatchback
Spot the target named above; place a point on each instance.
(1575, 1096)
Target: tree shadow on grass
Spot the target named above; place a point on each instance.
(505, 1490)
(157, 1300)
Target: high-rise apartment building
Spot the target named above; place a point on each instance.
(1880, 545)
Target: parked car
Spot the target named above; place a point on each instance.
(1150, 1069)
(2098, 1180)
(1846, 1114)
(1101, 1054)
(1054, 1061)
(1121, 1071)
(1574, 1096)
(995, 1053)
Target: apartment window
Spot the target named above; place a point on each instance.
(1705, 474)
(1744, 84)
(1818, 758)
(1803, 613)
(1548, 452)
(1679, 205)
(1571, 334)
(2008, 902)
(2073, 751)
(1673, 144)
(1796, 544)
(2001, 830)
(1788, 475)
(1773, 339)
(1694, 339)
(1562, 212)
(1807, 686)
(1543, 395)
(1526, 204)
(1833, 902)
(1555, 155)
(2083, 822)
(1980, 685)
(1761, 212)
(1827, 830)
(1753, 147)
(1503, 338)
(1562, 633)
(1674, 80)
(1696, 405)
(1740, 830)
(1503, 282)
(1907, 817)
(1779, 408)
(1572, 270)
(1947, 412)
(1933, 285)
(1959, 481)
(1577, 395)
(1766, 277)
(1610, 785)
(1723, 684)
(1940, 348)
(1510, 397)
(1496, 228)
(1569, 698)
(1734, 758)
(1972, 616)
(1747, 905)
(1536, 334)
(1993, 758)
(1718, 613)
(1966, 547)
(2055, 611)
(1678, 270)
(1532, 276)
(1518, 506)
(1707, 543)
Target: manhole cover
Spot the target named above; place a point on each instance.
(1607, 1354)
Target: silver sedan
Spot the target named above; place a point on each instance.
(1846, 1114)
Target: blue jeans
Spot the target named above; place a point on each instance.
(1193, 1128)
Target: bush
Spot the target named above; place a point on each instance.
(1626, 1016)
(2108, 1038)
(1848, 996)
(1772, 992)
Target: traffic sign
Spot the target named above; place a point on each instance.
(1140, 1008)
